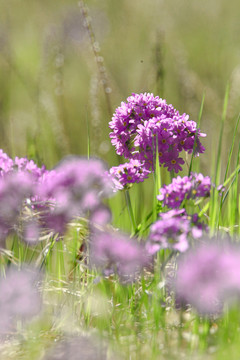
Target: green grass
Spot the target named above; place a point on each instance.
(51, 109)
(137, 321)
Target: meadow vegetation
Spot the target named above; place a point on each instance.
(119, 212)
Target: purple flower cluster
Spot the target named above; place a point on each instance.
(29, 166)
(15, 188)
(34, 199)
(172, 230)
(145, 123)
(174, 227)
(8, 165)
(207, 276)
(74, 188)
(18, 183)
(19, 297)
(126, 174)
(194, 186)
(116, 253)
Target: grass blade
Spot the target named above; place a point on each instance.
(214, 208)
(195, 139)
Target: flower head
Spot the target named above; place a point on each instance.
(29, 166)
(172, 231)
(193, 186)
(74, 188)
(15, 188)
(126, 174)
(207, 276)
(8, 165)
(114, 252)
(145, 124)
(19, 296)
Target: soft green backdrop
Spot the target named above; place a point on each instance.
(50, 89)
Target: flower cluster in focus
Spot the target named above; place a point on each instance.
(187, 187)
(145, 124)
(128, 173)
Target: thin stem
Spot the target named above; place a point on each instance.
(214, 206)
(130, 210)
(88, 137)
(96, 50)
(48, 251)
(196, 134)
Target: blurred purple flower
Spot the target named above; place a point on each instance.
(116, 253)
(19, 296)
(29, 166)
(74, 188)
(172, 231)
(8, 165)
(14, 189)
(207, 276)
(145, 123)
(101, 215)
(31, 231)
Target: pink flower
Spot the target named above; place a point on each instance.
(208, 275)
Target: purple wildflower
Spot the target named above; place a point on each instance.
(31, 230)
(207, 276)
(8, 165)
(172, 231)
(101, 215)
(145, 123)
(194, 186)
(74, 188)
(126, 174)
(114, 252)
(14, 189)
(197, 227)
(29, 166)
(19, 297)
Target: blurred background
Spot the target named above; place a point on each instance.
(59, 86)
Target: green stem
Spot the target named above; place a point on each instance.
(47, 254)
(130, 210)
(196, 134)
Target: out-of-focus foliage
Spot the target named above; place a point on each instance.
(50, 87)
